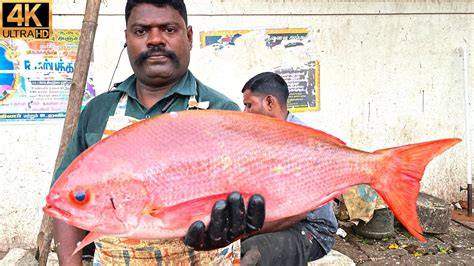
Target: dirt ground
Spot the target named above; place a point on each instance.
(453, 248)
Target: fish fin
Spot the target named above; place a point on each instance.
(400, 182)
(87, 240)
(185, 213)
(319, 134)
(327, 137)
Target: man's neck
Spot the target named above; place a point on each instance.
(283, 115)
(149, 96)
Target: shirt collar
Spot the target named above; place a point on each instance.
(292, 118)
(186, 86)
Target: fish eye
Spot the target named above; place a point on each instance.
(79, 196)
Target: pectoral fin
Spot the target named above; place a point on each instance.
(185, 213)
(87, 240)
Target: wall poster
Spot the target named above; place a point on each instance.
(289, 52)
(35, 76)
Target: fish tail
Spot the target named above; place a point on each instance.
(400, 182)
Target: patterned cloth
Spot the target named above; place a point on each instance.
(361, 201)
(119, 251)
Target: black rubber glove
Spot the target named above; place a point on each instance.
(229, 222)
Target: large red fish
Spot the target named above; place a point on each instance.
(154, 178)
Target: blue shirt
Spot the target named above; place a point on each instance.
(321, 222)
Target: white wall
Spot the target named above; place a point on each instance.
(391, 74)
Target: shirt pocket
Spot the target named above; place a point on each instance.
(92, 138)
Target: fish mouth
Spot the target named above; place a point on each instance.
(56, 212)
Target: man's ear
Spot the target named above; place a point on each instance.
(125, 33)
(190, 35)
(270, 102)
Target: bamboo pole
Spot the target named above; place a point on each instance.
(76, 93)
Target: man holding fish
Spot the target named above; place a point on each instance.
(158, 41)
(154, 178)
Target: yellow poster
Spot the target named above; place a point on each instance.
(288, 52)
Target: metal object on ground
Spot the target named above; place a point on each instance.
(469, 198)
(467, 128)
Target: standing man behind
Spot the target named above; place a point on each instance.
(159, 41)
(313, 236)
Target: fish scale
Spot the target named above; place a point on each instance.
(166, 172)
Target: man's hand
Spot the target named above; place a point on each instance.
(229, 222)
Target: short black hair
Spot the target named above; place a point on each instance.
(268, 83)
(176, 4)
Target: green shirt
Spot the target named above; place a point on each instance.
(95, 115)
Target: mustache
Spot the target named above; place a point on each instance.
(154, 50)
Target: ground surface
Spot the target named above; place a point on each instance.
(453, 248)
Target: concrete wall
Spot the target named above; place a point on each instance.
(391, 74)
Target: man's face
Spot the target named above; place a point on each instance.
(158, 44)
(255, 104)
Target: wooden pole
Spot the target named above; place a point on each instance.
(76, 93)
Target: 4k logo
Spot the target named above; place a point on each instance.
(26, 19)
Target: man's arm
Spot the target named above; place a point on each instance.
(282, 224)
(66, 238)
